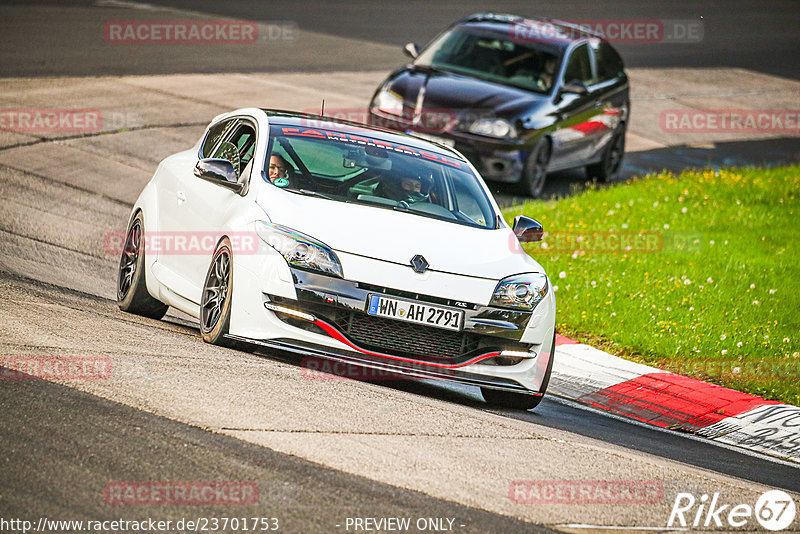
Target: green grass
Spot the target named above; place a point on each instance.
(713, 291)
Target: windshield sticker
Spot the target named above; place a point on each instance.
(364, 141)
(280, 182)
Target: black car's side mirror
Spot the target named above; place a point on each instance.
(575, 87)
(220, 172)
(527, 230)
(411, 50)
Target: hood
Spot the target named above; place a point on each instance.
(446, 92)
(393, 236)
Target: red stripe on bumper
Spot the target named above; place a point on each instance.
(670, 400)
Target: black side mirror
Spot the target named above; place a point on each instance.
(527, 230)
(411, 50)
(575, 87)
(220, 172)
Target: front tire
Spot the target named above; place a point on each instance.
(520, 401)
(132, 294)
(215, 303)
(534, 174)
(607, 167)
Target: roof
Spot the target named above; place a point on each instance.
(553, 32)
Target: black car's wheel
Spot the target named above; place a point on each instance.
(534, 173)
(520, 401)
(606, 168)
(215, 303)
(132, 295)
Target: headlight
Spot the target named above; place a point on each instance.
(389, 102)
(299, 249)
(493, 128)
(522, 291)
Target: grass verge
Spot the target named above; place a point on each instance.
(697, 274)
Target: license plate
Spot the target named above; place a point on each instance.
(415, 312)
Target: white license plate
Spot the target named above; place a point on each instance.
(415, 312)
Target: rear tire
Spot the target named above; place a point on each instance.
(606, 168)
(520, 401)
(534, 174)
(132, 294)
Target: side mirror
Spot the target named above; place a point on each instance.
(411, 50)
(575, 87)
(527, 230)
(220, 172)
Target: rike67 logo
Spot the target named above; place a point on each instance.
(774, 510)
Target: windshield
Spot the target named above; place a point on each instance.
(346, 167)
(494, 57)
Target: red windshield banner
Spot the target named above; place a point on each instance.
(364, 141)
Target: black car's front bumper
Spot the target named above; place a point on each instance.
(501, 160)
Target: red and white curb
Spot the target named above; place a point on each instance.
(601, 380)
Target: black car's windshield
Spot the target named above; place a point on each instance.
(349, 167)
(496, 57)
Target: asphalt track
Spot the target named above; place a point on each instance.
(177, 409)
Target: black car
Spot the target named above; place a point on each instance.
(518, 97)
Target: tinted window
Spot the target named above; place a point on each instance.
(579, 67)
(214, 134)
(493, 56)
(609, 64)
(353, 168)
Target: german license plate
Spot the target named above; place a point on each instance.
(412, 311)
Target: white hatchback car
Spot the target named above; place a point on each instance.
(338, 241)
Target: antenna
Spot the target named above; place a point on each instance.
(322, 111)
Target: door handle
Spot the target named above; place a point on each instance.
(181, 197)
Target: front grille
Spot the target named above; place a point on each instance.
(386, 335)
(406, 338)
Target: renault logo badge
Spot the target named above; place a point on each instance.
(419, 264)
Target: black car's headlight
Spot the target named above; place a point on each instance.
(521, 291)
(388, 102)
(299, 249)
(493, 128)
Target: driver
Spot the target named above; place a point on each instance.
(279, 170)
(407, 187)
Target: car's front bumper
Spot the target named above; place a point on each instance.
(497, 348)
